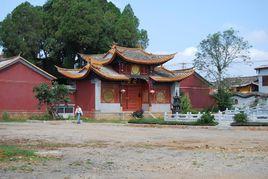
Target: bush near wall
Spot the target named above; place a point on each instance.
(240, 118)
(161, 121)
(5, 116)
(207, 118)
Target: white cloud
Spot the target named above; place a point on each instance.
(258, 55)
(259, 36)
(188, 52)
(183, 58)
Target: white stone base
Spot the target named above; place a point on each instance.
(160, 108)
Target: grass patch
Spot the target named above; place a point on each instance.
(161, 121)
(9, 153)
(14, 153)
(249, 124)
(13, 120)
(7, 118)
(89, 120)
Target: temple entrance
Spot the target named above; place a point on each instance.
(132, 98)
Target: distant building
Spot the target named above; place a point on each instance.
(246, 84)
(262, 72)
(250, 91)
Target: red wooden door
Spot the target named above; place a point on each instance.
(131, 99)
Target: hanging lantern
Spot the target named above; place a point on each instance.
(152, 91)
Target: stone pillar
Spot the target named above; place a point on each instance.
(97, 83)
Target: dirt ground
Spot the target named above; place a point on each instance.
(129, 151)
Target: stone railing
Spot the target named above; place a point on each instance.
(225, 116)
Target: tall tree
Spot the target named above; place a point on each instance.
(127, 30)
(214, 56)
(218, 51)
(21, 32)
(69, 27)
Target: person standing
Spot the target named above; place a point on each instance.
(78, 113)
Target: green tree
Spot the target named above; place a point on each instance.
(51, 97)
(21, 32)
(185, 103)
(218, 51)
(214, 56)
(127, 30)
(143, 41)
(223, 98)
(60, 29)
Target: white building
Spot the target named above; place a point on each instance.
(260, 97)
(262, 72)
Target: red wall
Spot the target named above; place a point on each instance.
(198, 91)
(85, 96)
(16, 88)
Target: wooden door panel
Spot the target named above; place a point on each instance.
(132, 98)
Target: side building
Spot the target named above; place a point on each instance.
(18, 77)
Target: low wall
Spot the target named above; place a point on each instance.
(124, 115)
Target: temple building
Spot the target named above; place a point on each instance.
(130, 79)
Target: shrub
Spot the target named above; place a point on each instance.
(41, 117)
(206, 118)
(224, 99)
(51, 97)
(161, 121)
(138, 114)
(185, 103)
(240, 118)
(5, 116)
(147, 121)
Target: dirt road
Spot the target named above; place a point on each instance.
(124, 151)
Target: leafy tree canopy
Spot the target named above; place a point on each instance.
(218, 51)
(21, 31)
(214, 56)
(51, 97)
(59, 29)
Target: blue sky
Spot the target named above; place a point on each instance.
(179, 26)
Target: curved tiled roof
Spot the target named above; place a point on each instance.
(133, 55)
(98, 63)
(103, 71)
(99, 59)
(74, 73)
(108, 73)
(162, 74)
(138, 55)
